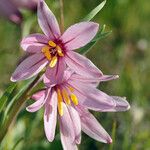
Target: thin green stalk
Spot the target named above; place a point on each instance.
(16, 109)
(113, 135)
(61, 15)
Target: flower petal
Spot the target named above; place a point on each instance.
(54, 75)
(67, 131)
(121, 104)
(93, 81)
(82, 65)
(108, 78)
(47, 21)
(93, 128)
(50, 116)
(34, 43)
(76, 123)
(79, 35)
(91, 97)
(30, 67)
(37, 105)
(38, 95)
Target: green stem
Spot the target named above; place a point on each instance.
(113, 135)
(62, 15)
(16, 109)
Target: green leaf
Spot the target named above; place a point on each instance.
(6, 95)
(101, 34)
(17, 143)
(22, 88)
(95, 11)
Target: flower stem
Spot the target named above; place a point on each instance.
(62, 15)
(16, 108)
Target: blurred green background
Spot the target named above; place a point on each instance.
(124, 52)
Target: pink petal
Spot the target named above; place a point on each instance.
(108, 78)
(121, 104)
(67, 74)
(93, 128)
(66, 142)
(82, 65)
(92, 98)
(38, 95)
(90, 81)
(76, 123)
(37, 105)
(67, 130)
(79, 35)
(30, 67)
(47, 21)
(50, 116)
(93, 81)
(34, 43)
(54, 75)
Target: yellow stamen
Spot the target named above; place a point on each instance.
(74, 99)
(59, 51)
(45, 49)
(71, 89)
(65, 96)
(60, 102)
(48, 55)
(53, 62)
(46, 52)
(52, 44)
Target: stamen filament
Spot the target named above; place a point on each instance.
(53, 62)
(74, 99)
(71, 89)
(65, 96)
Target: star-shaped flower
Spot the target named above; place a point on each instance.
(55, 50)
(72, 97)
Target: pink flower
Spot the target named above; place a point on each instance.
(55, 50)
(10, 8)
(73, 96)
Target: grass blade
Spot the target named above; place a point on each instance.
(6, 95)
(95, 11)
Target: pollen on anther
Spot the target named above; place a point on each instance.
(53, 62)
(52, 44)
(45, 48)
(74, 99)
(59, 51)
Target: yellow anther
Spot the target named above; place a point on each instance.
(53, 61)
(48, 55)
(59, 51)
(45, 49)
(60, 102)
(65, 96)
(60, 108)
(52, 44)
(71, 89)
(74, 99)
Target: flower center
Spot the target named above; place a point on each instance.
(65, 95)
(52, 51)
